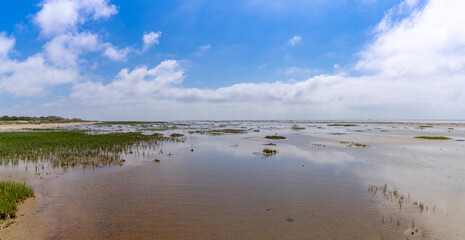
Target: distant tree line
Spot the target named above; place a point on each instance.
(48, 118)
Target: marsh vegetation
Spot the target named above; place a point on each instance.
(269, 152)
(11, 194)
(433, 137)
(70, 148)
(275, 137)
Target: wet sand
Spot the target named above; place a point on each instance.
(314, 188)
(4, 127)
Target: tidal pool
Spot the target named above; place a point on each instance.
(223, 187)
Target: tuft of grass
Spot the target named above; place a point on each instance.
(175, 135)
(425, 126)
(353, 144)
(296, 127)
(12, 193)
(433, 137)
(269, 152)
(275, 137)
(342, 125)
(270, 144)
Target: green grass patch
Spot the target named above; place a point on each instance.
(175, 135)
(270, 144)
(296, 127)
(12, 193)
(433, 137)
(275, 137)
(342, 125)
(269, 152)
(353, 144)
(70, 148)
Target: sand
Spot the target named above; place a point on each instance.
(41, 125)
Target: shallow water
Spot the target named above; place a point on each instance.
(226, 189)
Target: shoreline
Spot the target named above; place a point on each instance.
(40, 125)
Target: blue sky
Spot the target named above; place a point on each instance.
(244, 59)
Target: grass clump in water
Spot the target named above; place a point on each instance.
(70, 148)
(342, 125)
(12, 193)
(228, 130)
(353, 144)
(275, 137)
(270, 144)
(175, 135)
(296, 127)
(425, 126)
(269, 152)
(433, 137)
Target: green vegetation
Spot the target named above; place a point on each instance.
(10, 194)
(269, 152)
(433, 137)
(175, 135)
(220, 131)
(425, 126)
(296, 127)
(70, 148)
(270, 144)
(342, 125)
(353, 144)
(275, 137)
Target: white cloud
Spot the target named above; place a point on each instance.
(32, 76)
(60, 16)
(150, 39)
(131, 86)
(116, 54)
(298, 71)
(64, 50)
(295, 40)
(429, 41)
(6, 45)
(204, 48)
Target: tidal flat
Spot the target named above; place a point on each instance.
(214, 180)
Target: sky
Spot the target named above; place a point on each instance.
(233, 60)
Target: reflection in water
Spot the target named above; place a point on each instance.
(221, 187)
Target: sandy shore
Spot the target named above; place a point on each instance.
(42, 125)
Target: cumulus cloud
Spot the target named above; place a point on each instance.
(116, 54)
(131, 86)
(64, 50)
(58, 63)
(60, 16)
(6, 45)
(295, 40)
(150, 39)
(31, 76)
(430, 41)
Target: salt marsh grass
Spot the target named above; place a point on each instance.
(10, 194)
(70, 148)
